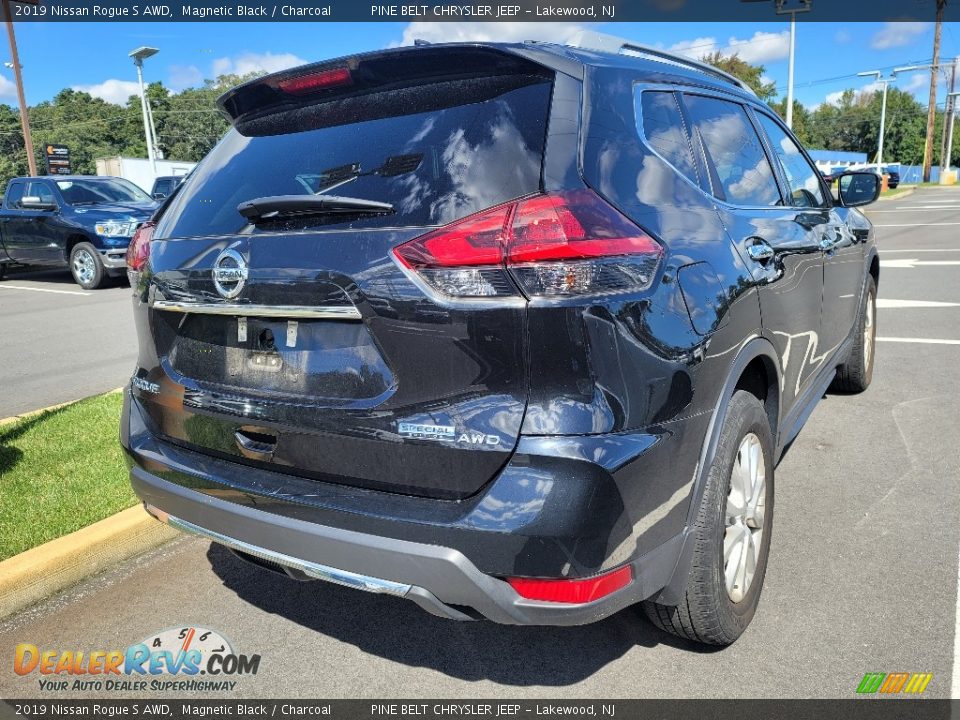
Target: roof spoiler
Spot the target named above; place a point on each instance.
(591, 40)
(349, 79)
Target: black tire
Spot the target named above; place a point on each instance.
(3, 270)
(708, 613)
(87, 266)
(856, 374)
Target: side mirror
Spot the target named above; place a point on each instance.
(858, 188)
(32, 202)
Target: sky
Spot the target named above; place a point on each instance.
(93, 56)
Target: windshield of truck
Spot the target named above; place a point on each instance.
(96, 191)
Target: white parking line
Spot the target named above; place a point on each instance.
(5, 286)
(919, 341)
(884, 252)
(917, 208)
(892, 304)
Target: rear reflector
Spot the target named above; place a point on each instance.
(562, 244)
(572, 591)
(303, 84)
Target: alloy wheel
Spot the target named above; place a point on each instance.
(744, 518)
(84, 266)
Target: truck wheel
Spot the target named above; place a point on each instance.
(856, 374)
(3, 270)
(86, 266)
(732, 533)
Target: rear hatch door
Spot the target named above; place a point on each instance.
(299, 343)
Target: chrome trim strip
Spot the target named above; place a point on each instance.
(314, 570)
(319, 312)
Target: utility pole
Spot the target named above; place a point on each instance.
(932, 108)
(945, 148)
(21, 99)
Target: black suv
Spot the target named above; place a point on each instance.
(514, 331)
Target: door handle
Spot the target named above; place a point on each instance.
(760, 251)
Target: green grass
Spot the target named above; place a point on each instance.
(60, 471)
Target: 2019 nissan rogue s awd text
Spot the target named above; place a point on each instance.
(514, 331)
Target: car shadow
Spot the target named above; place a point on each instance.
(10, 456)
(56, 277)
(398, 630)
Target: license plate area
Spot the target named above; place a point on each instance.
(316, 358)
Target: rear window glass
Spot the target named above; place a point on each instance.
(433, 167)
(663, 128)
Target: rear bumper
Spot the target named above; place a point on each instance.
(439, 570)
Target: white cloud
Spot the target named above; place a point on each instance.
(897, 34)
(762, 47)
(834, 98)
(696, 48)
(184, 76)
(440, 32)
(249, 62)
(113, 90)
(842, 37)
(7, 88)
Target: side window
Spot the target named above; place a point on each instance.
(14, 194)
(804, 181)
(663, 128)
(42, 191)
(742, 169)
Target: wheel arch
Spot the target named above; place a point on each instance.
(756, 369)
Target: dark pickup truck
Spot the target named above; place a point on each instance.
(81, 222)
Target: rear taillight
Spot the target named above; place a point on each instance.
(572, 591)
(138, 251)
(562, 244)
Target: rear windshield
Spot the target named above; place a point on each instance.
(433, 167)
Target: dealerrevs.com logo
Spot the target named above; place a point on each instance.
(187, 659)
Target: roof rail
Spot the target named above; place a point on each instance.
(591, 40)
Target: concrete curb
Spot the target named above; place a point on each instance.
(36, 574)
(14, 418)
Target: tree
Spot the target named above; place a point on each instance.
(801, 118)
(752, 75)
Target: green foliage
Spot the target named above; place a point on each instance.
(752, 75)
(188, 125)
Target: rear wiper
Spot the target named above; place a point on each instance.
(275, 207)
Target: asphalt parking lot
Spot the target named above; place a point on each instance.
(863, 570)
(61, 342)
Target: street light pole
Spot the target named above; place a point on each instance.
(883, 107)
(793, 47)
(21, 99)
(139, 55)
(791, 8)
(952, 96)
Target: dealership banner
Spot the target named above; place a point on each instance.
(584, 11)
(489, 709)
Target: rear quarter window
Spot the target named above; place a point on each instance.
(665, 133)
(433, 167)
